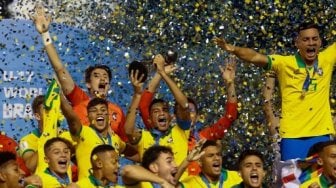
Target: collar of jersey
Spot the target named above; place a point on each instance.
(158, 134)
(37, 132)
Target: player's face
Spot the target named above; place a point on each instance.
(252, 171)
(99, 83)
(98, 117)
(167, 167)
(11, 174)
(211, 162)
(110, 166)
(58, 158)
(160, 117)
(309, 43)
(329, 162)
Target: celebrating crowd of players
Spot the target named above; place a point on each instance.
(173, 149)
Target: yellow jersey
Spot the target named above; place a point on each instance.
(31, 142)
(67, 135)
(87, 140)
(175, 137)
(305, 109)
(321, 181)
(226, 179)
(51, 180)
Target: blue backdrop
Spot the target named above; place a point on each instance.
(25, 69)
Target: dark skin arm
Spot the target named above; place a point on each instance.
(30, 159)
(133, 174)
(132, 133)
(272, 120)
(247, 54)
(72, 119)
(42, 22)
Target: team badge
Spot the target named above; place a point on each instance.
(320, 71)
(170, 140)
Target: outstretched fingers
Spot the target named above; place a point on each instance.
(136, 80)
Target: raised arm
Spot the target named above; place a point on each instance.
(246, 54)
(217, 130)
(42, 22)
(194, 155)
(130, 129)
(30, 159)
(228, 75)
(73, 121)
(178, 95)
(133, 174)
(147, 95)
(146, 99)
(155, 81)
(271, 120)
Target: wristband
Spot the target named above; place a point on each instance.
(46, 38)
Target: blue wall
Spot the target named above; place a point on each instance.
(25, 68)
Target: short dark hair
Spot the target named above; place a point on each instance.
(307, 25)
(53, 140)
(95, 101)
(314, 149)
(38, 100)
(326, 144)
(90, 69)
(208, 143)
(6, 156)
(155, 101)
(248, 153)
(101, 149)
(153, 153)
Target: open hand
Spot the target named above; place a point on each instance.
(195, 154)
(229, 70)
(136, 81)
(170, 68)
(159, 63)
(41, 19)
(223, 44)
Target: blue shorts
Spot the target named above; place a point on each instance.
(292, 148)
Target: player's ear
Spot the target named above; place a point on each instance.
(319, 161)
(99, 163)
(154, 167)
(2, 177)
(37, 116)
